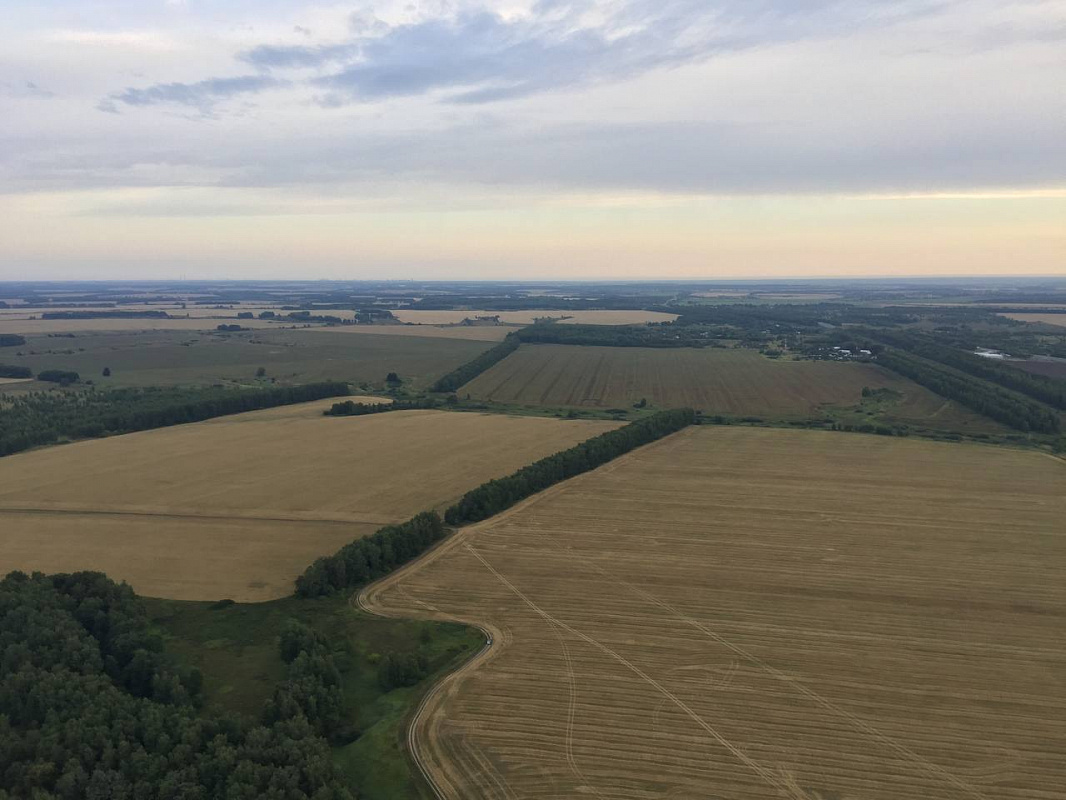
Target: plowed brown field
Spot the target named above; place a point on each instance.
(238, 506)
(745, 614)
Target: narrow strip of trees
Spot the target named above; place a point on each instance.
(983, 397)
(352, 408)
(499, 494)
(1039, 387)
(372, 557)
(10, 371)
(471, 369)
(11, 340)
(375, 556)
(47, 417)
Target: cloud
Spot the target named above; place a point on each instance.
(476, 55)
(202, 94)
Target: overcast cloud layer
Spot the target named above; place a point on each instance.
(235, 107)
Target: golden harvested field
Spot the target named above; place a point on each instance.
(476, 333)
(1046, 319)
(28, 327)
(715, 381)
(747, 614)
(527, 317)
(238, 506)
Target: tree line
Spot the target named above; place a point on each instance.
(11, 340)
(105, 315)
(1039, 387)
(40, 418)
(993, 401)
(11, 371)
(654, 335)
(350, 408)
(373, 557)
(496, 495)
(471, 369)
(92, 707)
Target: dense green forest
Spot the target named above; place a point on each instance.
(496, 495)
(92, 707)
(47, 417)
(471, 369)
(9, 371)
(368, 559)
(993, 401)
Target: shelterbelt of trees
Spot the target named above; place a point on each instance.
(986, 398)
(471, 369)
(373, 557)
(43, 418)
(350, 408)
(1039, 387)
(91, 707)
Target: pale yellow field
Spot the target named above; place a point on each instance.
(1047, 319)
(27, 327)
(528, 317)
(238, 506)
(759, 614)
(476, 333)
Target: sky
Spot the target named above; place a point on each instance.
(524, 139)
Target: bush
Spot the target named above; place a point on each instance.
(61, 376)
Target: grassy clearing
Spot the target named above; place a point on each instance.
(235, 647)
(746, 613)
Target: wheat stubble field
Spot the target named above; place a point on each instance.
(238, 506)
(741, 613)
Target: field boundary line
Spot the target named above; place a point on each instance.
(190, 515)
(367, 599)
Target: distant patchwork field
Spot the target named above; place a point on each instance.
(750, 614)
(713, 380)
(530, 316)
(238, 506)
